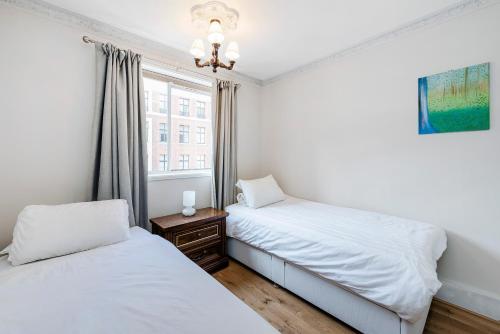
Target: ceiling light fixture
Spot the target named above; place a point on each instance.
(214, 16)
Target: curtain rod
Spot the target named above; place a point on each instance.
(89, 40)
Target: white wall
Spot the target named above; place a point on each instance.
(345, 132)
(46, 111)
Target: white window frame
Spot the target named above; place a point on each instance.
(198, 104)
(184, 129)
(201, 135)
(182, 158)
(162, 161)
(183, 81)
(163, 102)
(147, 100)
(160, 133)
(198, 160)
(181, 103)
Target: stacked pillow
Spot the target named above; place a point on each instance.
(260, 192)
(45, 231)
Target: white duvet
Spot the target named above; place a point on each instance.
(143, 285)
(388, 260)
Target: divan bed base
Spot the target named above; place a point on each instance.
(352, 309)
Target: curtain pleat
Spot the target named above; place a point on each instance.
(224, 130)
(120, 151)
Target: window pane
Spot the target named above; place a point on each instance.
(200, 109)
(183, 106)
(180, 125)
(163, 103)
(156, 91)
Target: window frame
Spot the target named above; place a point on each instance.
(198, 103)
(160, 131)
(184, 133)
(163, 99)
(198, 86)
(165, 162)
(204, 161)
(147, 99)
(181, 158)
(199, 133)
(183, 105)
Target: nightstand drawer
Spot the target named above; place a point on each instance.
(197, 236)
(205, 255)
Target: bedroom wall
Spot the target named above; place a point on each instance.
(46, 110)
(345, 132)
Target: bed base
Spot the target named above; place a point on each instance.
(352, 309)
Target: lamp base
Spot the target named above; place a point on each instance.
(188, 211)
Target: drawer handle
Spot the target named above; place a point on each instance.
(201, 256)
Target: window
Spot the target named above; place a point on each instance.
(184, 134)
(163, 132)
(163, 103)
(184, 107)
(200, 109)
(200, 161)
(169, 131)
(184, 161)
(146, 100)
(200, 135)
(163, 162)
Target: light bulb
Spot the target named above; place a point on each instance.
(198, 49)
(215, 35)
(232, 51)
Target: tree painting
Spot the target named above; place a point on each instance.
(457, 100)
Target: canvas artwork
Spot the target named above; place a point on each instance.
(457, 100)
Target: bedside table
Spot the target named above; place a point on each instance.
(201, 237)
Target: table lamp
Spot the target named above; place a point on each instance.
(188, 200)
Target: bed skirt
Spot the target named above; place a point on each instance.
(356, 311)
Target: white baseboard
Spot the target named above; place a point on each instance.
(470, 298)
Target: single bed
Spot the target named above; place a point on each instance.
(142, 285)
(373, 271)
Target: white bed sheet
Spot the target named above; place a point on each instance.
(143, 285)
(388, 260)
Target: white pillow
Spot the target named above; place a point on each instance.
(45, 231)
(261, 192)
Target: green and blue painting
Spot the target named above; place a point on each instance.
(453, 101)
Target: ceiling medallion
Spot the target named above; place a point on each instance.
(215, 17)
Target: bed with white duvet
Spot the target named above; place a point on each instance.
(387, 260)
(141, 285)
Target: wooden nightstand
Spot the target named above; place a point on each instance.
(201, 237)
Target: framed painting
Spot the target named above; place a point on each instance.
(454, 101)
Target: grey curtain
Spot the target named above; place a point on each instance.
(119, 132)
(224, 133)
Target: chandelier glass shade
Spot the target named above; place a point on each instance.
(215, 37)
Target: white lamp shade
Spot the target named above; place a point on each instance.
(189, 198)
(215, 35)
(232, 51)
(198, 49)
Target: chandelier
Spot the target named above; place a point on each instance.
(215, 16)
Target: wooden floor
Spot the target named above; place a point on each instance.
(282, 309)
(291, 314)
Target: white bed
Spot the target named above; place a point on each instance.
(380, 266)
(142, 285)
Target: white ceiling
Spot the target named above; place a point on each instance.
(275, 36)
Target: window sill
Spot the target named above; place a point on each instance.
(179, 175)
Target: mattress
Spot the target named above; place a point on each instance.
(143, 285)
(388, 260)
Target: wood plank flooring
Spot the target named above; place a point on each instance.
(292, 315)
(447, 318)
(282, 309)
